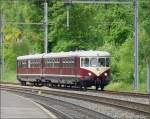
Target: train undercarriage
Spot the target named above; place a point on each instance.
(81, 84)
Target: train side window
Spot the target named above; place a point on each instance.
(52, 62)
(101, 62)
(63, 62)
(82, 62)
(67, 62)
(45, 63)
(32, 63)
(38, 63)
(107, 62)
(26, 64)
(56, 63)
(72, 63)
(29, 64)
(23, 64)
(18, 64)
(86, 62)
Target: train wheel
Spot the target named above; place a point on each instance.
(102, 87)
(85, 88)
(81, 85)
(59, 85)
(23, 83)
(70, 86)
(36, 83)
(97, 86)
(49, 84)
(52, 85)
(65, 85)
(85, 85)
(33, 83)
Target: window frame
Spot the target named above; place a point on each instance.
(96, 58)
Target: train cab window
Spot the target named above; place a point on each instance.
(93, 62)
(101, 62)
(84, 62)
(107, 62)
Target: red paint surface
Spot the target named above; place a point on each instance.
(62, 71)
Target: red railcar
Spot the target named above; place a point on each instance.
(78, 68)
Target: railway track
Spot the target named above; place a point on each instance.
(62, 110)
(139, 95)
(128, 105)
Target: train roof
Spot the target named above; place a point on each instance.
(35, 56)
(67, 54)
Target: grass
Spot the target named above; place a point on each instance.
(9, 76)
(125, 87)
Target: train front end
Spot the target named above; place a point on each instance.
(95, 71)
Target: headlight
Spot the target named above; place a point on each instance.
(89, 74)
(105, 74)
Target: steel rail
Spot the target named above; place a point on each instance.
(118, 93)
(132, 94)
(58, 113)
(132, 106)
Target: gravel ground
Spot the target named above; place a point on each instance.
(127, 98)
(116, 113)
